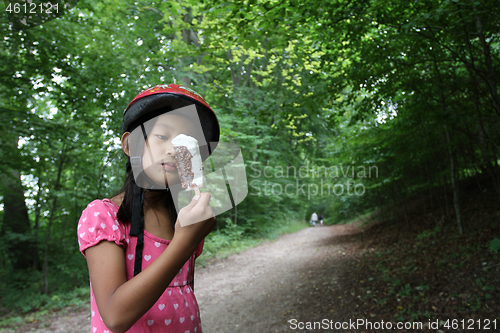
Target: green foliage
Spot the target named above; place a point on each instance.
(495, 245)
(429, 233)
(409, 90)
(77, 297)
(222, 243)
(22, 290)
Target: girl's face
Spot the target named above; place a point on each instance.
(158, 155)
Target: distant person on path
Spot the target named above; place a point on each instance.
(140, 258)
(320, 217)
(314, 219)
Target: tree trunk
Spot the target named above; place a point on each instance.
(445, 193)
(46, 250)
(16, 223)
(490, 70)
(51, 221)
(38, 204)
(454, 182)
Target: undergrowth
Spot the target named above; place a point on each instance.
(40, 305)
(221, 244)
(431, 272)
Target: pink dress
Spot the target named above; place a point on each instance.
(177, 309)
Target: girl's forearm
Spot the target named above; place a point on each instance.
(121, 308)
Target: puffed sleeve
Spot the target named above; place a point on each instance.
(99, 223)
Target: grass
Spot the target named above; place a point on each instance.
(363, 220)
(77, 298)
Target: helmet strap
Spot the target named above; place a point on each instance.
(137, 226)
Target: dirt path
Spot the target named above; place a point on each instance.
(261, 289)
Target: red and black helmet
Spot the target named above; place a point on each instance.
(167, 97)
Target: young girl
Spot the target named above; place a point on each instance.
(140, 259)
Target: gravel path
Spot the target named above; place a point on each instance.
(260, 289)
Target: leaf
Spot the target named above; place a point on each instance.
(495, 245)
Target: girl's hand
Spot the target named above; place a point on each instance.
(195, 221)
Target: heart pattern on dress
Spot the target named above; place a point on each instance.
(98, 229)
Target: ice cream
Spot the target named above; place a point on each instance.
(188, 162)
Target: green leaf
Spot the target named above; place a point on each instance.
(495, 245)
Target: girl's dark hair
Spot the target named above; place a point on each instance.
(125, 212)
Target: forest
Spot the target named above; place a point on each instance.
(388, 111)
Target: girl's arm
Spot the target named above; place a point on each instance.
(121, 303)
